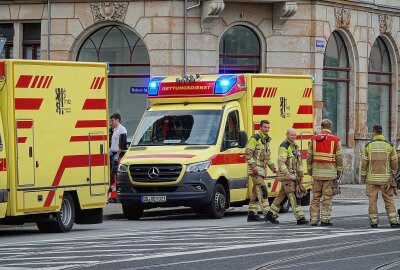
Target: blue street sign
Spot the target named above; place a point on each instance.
(138, 90)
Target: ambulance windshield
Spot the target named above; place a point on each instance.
(192, 127)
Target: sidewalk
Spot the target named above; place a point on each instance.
(114, 210)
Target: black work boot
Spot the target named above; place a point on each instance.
(253, 217)
(270, 217)
(326, 224)
(302, 221)
(374, 226)
(395, 225)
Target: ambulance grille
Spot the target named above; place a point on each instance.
(155, 173)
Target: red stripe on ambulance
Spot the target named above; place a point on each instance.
(303, 137)
(274, 185)
(304, 153)
(225, 159)
(261, 110)
(258, 91)
(305, 109)
(303, 125)
(3, 164)
(28, 103)
(24, 124)
(23, 81)
(95, 104)
(74, 162)
(22, 139)
(90, 123)
(88, 138)
(33, 85)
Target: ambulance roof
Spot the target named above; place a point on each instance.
(196, 89)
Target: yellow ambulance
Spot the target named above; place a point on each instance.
(53, 143)
(188, 149)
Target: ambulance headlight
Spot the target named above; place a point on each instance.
(199, 166)
(122, 168)
(224, 84)
(154, 85)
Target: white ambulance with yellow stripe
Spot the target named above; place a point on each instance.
(188, 149)
(53, 143)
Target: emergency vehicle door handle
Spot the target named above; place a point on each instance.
(101, 149)
(37, 164)
(30, 152)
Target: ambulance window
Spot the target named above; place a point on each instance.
(232, 129)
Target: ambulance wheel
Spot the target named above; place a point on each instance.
(66, 217)
(132, 212)
(217, 206)
(285, 207)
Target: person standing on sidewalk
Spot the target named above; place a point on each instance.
(118, 136)
(290, 171)
(378, 169)
(325, 164)
(258, 156)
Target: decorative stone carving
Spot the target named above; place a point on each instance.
(282, 12)
(343, 17)
(210, 13)
(385, 24)
(109, 11)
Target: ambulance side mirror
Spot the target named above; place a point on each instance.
(242, 139)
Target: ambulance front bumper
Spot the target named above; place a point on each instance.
(194, 189)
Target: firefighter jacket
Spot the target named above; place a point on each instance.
(379, 161)
(289, 160)
(258, 154)
(325, 156)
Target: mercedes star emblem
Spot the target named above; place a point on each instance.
(153, 172)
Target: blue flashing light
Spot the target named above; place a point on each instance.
(154, 85)
(224, 84)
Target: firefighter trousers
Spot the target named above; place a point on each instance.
(287, 189)
(259, 192)
(321, 188)
(387, 195)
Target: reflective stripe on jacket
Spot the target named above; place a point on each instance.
(325, 156)
(258, 153)
(379, 161)
(289, 160)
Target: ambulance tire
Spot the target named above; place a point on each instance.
(132, 212)
(66, 217)
(217, 206)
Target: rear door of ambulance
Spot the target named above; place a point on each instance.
(287, 102)
(61, 133)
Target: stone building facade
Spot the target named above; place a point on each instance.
(351, 48)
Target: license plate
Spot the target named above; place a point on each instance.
(154, 199)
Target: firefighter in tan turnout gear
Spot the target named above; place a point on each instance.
(325, 164)
(290, 172)
(378, 169)
(258, 157)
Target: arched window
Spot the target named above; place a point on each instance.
(239, 51)
(336, 85)
(129, 74)
(379, 86)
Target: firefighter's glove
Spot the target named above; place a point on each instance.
(116, 157)
(300, 189)
(255, 170)
(335, 187)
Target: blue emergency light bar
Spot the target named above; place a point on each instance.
(224, 84)
(154, 85)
